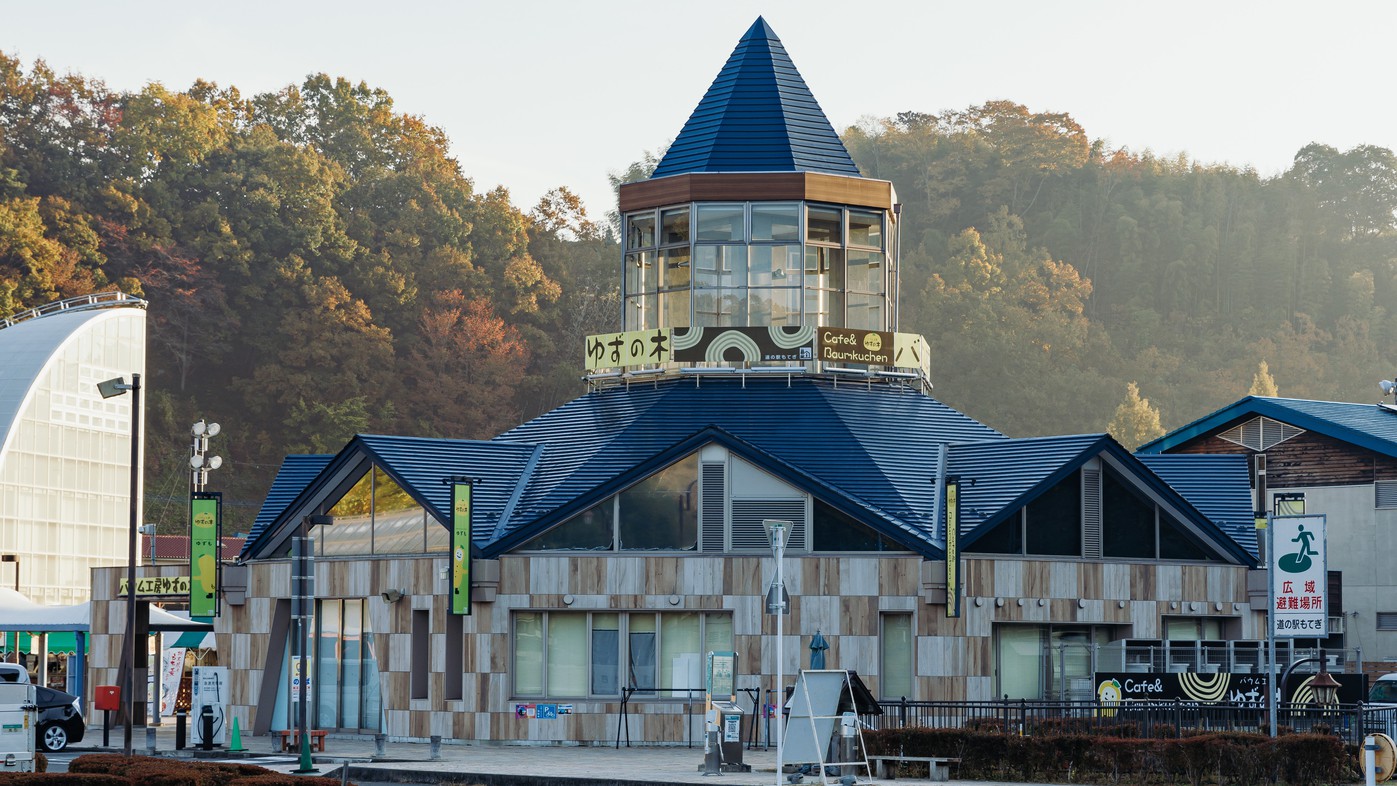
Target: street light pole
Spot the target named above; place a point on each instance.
(776, 530)
(108, 389)
(15, 559)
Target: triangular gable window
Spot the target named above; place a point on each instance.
(376, 516)
(715, 502)
(1119, 521)
(1261, 433)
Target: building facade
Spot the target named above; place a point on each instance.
(65, 452)
(618, 539)
(1333, 458)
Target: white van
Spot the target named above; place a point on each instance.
(13, 672)
(1384, 691)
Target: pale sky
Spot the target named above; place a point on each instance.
(536, 94)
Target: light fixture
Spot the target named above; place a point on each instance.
(108, 389)
(979, 601)
(776, 533)
(1324, 685)
(674, 600)
(1387, 386)
(568, 600)
(1120, 604)
(1081, 603)
(999, 603)
(391, 596)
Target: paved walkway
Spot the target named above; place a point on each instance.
(478, 763)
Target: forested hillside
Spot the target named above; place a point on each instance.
(318, 265)
(1049, 271)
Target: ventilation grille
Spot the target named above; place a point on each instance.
(1385, 494)
(1261, 433)
(1387, 620)
(748, 534)
(1091, 513)
(712, 478)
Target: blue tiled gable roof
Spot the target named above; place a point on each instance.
(295, 473)
(1370, 426)
(1219, 486)
(874, 452)
(757, 116)
(875, 446)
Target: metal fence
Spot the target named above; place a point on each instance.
(1134, 718)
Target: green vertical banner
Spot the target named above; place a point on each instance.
(205, 529)
(952, 547)
(461, 547)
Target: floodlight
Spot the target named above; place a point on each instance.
(1387, 386)
(213, 429)
(197, 429)
(215, 462)
(113, 387)
(196, 462)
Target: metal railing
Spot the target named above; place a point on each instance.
(1170, 718)
(79, 303)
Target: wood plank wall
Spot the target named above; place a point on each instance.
(1310, 459)
(843, 598)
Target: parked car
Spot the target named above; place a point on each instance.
(1384, 691)
(13, 672)
(60, 719)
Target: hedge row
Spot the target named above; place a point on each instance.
(106, 769)
(1224, 759)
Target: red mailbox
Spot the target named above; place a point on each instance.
(108, 697)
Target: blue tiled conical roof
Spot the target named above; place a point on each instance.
(758, 116)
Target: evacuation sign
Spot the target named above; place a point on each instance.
(1298, 576)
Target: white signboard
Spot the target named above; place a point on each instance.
(1298, 577)
(210, 688)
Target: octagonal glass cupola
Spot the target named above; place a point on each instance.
(757, 215)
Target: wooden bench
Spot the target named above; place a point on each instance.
(291, 740)
(938, 767)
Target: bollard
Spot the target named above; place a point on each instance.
(711, 744)
(150, 739)
(436, 747)
(379, 740)
(1370, 759)
(180, 716)
(206, 727)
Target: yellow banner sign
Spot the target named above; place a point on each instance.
(157, 585)
(632, 348)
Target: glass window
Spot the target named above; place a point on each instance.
(528, 653)
(1175, 542)
(824, 307)
(1005, 538)
(674, 307)
(567, 636)
(865, 272)
(774, 266)
(865, 229)
(590, 530)
(674, 226)
(659, 512)
(676, 265)
(640, 272)
(663, 652)
(1127, 520)
(1019, 661)
(777, 223)
(720, 223)
(640, 230)
(606, 654)
(681, 663)
(720, 266)
(895, 672)
(642, 311)
(1055, 520)
(824, 225)
(864, 312)
(640, 660)
(835, 531)
(773, 306)
(824, 267)
(327, 663)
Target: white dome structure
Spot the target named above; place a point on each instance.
(65, 452)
